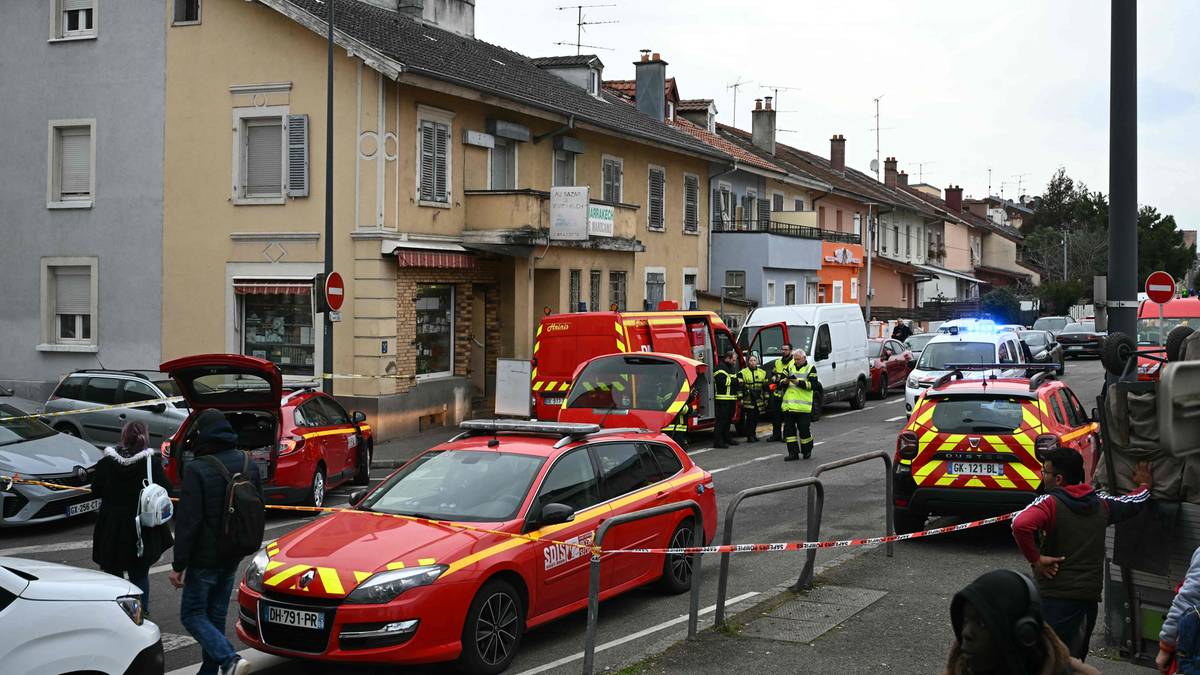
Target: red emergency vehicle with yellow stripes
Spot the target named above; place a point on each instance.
(971, 445)
(566, 341)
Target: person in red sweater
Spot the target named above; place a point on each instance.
(1061, 534)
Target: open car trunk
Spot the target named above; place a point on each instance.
(257, 432)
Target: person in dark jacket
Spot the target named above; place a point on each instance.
(998, 628)
(118, 482)
(1071, 519)
(207, 579)
(726, 380)
(902, 331)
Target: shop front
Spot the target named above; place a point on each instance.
(839, 273)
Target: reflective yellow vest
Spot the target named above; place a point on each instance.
(799, 394)
(754, 387)
(724, 379)
(780, 370)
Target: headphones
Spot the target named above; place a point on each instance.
(1028, 629)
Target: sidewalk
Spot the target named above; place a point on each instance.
(393, 453)
(869, 614)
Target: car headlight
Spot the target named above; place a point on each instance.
(255, 571)
(912, 383)
(132, 605)
(386, 586)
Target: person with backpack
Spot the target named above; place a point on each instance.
(219, 521)
(123, 542)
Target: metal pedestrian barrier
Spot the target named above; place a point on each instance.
(814, 526)
(593, 612)
(806, 576)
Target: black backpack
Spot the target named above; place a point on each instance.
(243, 517)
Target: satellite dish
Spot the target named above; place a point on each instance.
(875, 166)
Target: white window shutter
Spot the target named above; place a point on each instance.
(297, 165)
(72, 290)
(75, 178)
(428, 161)
(71, 5)
(442, 138)
(264, 154)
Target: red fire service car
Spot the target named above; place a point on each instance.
(303, 441)
(1152, 333)
(971, 446)
(364, 585)
(644, 390)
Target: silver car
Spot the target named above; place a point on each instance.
(85, 389)
(33, 450)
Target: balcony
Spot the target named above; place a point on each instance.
(523, 216)
(785, 229)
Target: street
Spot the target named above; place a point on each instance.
(641, 623)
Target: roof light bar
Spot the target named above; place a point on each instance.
(530, 427)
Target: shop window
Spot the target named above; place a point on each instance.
(616, 290)
(435, 329)
(277, 323)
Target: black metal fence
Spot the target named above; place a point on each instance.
(786, 230)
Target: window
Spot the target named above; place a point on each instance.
(564, 168)
(102, 390)
(837, 291)
(311, 414)
(625, 467)
(1075, 411)
(270, 155)
(896, 239)
(655, 212)
(656, 288)
(789, 294)
(777, 202)
(571, 481)
(838, 220)
(735, 284)
(503, 165)
(1057, 407)
(616, 290)
(277, 322)
(1005, 355)
(984, 414)
(799, 204)
(574, 291)
(858, 224)
(613, 174)
(68, 304)
(668, 462)
(132, 392)
(73, 19)
(594, 82)
(71, 165)
(435, 329)
(691, 203)
(824, 344)
(854, 288)
(187, 11)
(724, 343)
(433, 177)
(594, 291)
(263, 158)
(750, 205)
(689, 290)
(722, 204)
(72, 388)
(334, 411)
(770, 292)
(908, 241)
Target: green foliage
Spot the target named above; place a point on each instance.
(1001, 305)
(1058, 296)
(1160, 246)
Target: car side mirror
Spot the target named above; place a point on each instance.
(555, 513)
(158, 408)
(358, 416)
(357, 496)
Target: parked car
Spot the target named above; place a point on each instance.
(64, 619)
(1081, 339)
(32, 449)
(1043, 348)
(303, 441)
(1015, 327)
(890, 362)
(25, 405)
(916, 343)
(84, 389)
(1053, 324)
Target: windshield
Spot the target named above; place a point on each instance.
(917, 343)
(976, 415)
(1081, 327)
(171, 390)
(769, 346)
(936, 356)
(474, 485)
(1034, 338)
(1050, 323)
(627, 382)
(1148, 329)
(16, 431)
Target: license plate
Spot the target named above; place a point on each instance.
(557, 400)
(83, 507)
(299, 618)
(1075, 348)
(976, 468)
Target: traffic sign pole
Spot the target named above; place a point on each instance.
(1160, 289)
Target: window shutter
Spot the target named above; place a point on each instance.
(264, 153)
(442, 147)
(297, 134)
(716, 207)
(72, 290)
(764, 210)
(75, 145)
(656, 198)
(428, 161)
(691, 203)
(71, 5)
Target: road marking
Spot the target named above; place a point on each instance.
(173, 641)
(632, 636)
(899, 400)
(897, 418)
(749, 461)
(47, 548)
(259, 660)
(849, 412)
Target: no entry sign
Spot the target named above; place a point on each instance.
(335, 291)
(1160, 287)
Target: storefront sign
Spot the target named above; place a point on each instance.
(600, 220)
(843, 255)
(569, 213)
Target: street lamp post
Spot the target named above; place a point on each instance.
(327, 335)
(1122, 170)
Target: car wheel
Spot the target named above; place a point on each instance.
(493, 629)
(67, 429)
(363, 475)
(860, 396)
(1175, 341)
(316, 490)
(677, 569)
(907, 522)
(883, 387)
(1117, 350)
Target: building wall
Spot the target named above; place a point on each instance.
(1001, 252)
(906, 228)
(958, 254)
(833, 203)
(115, 79)
(890, 287)
(765, 258)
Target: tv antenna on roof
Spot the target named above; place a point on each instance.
(775, 89)
(735, 86)
(921, 170)
(875, 166)
(1020, 182)
(580, 23)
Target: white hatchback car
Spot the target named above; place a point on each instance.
(980, 343)
(60, 619)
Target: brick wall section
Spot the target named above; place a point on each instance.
(464, 280)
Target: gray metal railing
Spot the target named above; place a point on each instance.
(593, 612)
(806, 576)
(813, 529)
(785, 229)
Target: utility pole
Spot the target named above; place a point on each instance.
(735, 86)
(1122, 170)
(877, 165)
(327, 334)
(580, 23)
(870, 241)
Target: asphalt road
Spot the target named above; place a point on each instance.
(640, 622)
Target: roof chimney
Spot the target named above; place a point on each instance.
(763, 126)
(651, 74)
(837, 152)
(954, 199)
(889, 171)
(902, 179)
(456, 16)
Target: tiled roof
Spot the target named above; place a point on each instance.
(694, 104)
(426, 50)
(573, 60)
(628, 88)
(732, 149)
(966, 216)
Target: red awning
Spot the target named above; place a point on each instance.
(440, 259)
(268, 287)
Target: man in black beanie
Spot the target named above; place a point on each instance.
(998, 628)
(209, 578)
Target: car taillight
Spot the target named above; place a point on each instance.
(289, 445)
(1043, 444)
(166, 449)
(906, 445)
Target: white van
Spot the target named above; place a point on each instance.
(978, 344)
(833, 335)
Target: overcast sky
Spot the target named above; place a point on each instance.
(1020, 87)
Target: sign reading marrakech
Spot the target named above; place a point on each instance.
(843, 256)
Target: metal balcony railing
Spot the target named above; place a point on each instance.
(786, 230)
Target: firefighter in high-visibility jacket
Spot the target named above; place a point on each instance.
(725, 387)
(779, 370)
(797, 407)
(754, 397)
(677, 427)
